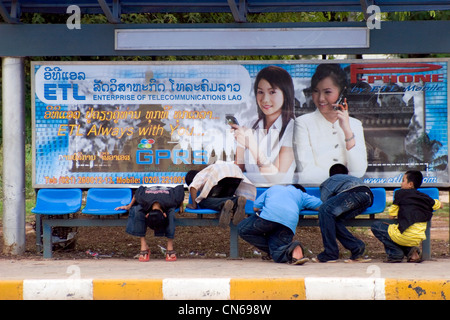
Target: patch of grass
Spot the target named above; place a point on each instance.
(30, 200)
(444, 211)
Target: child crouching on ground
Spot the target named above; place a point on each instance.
(413, 209)
(272, 228)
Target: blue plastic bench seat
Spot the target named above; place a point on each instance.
(432, 192)
(379, 201)
(249, 203)
(313, 191)
(199, 210)
(103, 201)
(378, 206)
(58, 201)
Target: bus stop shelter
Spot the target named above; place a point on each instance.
(241, 37)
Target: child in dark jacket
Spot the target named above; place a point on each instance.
(413, 209)
(154, 207)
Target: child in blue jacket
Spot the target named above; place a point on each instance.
(273, 226)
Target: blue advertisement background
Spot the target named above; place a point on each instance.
(50, 170)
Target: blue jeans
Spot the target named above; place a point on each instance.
(394, 251)
(332, 216)
(270, 237)
(137, 226)
(216, 204)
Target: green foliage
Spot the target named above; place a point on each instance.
(181, 18)
(419, 15)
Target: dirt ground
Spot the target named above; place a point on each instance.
(205, 242)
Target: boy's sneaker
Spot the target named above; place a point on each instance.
(225, 214)
(359, 256)
(361, 259)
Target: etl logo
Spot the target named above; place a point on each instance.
(61, 91)
(146, 143)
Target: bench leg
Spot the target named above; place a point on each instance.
(234, 250)
(47, 239)
(426, 244)
(38, 219)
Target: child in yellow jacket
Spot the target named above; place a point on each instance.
(413, 209)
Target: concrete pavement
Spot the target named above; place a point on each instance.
(222, 279)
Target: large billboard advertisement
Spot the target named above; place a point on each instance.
(115, 124)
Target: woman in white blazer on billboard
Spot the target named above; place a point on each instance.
(328, 135)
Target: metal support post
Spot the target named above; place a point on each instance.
(13, 104)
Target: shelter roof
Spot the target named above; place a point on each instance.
(11, 10)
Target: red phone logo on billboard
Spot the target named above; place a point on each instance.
(395, 72)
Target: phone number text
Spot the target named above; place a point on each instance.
(117, 180)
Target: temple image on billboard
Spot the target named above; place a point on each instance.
(393, 129)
